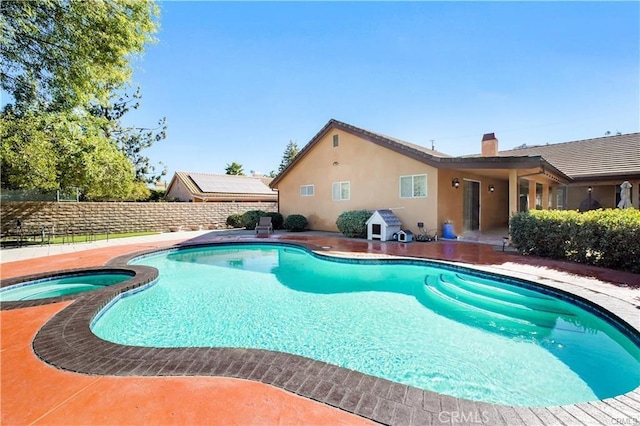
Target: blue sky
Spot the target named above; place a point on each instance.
(237, 80)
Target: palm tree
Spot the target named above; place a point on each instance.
(234, 169)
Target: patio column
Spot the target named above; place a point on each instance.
(532, 195)
(545, 196)
(635, 197)
(513, 192)
(554, 197)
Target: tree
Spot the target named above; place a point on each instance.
(59, 150)
(234, 169)
(289, 154)
(60, 59)
(131, 140)
(65, 53)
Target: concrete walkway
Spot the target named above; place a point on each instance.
(32, 252)
(36, 393)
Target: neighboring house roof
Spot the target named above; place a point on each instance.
(426, 155)
(211, 186)
(610, 156)
(387, 216)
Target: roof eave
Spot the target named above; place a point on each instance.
(364, 134)
(605, 176)
(496, 162)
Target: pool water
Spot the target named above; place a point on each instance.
(60, 286)
(443, 330)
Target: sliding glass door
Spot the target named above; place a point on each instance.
(471, 205)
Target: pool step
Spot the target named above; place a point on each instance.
(521, 301)
(474, 315)
(496, 289)
(517, 306)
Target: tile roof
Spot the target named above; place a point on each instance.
(616, 157)
(420, 148)
(609, 156)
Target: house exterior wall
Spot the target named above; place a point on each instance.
(603, 191)
(179, 191)
(494, 206)
(374, 175)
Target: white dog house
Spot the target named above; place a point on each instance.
(382, 225)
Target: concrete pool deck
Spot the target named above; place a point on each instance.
(36, 393)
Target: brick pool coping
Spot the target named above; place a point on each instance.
(66, 342)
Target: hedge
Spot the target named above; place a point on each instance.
(608, 238)
(251, 218)
(277, 220)
(234, 220)
(296, 223)
(353, 223)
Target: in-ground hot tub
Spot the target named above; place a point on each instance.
(61, 285)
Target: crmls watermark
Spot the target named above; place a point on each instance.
(626, 421)
(464, 417)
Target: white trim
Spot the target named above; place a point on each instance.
(313, 190)
(333, 185)
(426, 182)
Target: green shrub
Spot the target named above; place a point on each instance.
(234, 220)
(251, 218)
(296, 223)
(353, 224)
(543, 232)
(276, 220)
(609, 238)
(615, 238)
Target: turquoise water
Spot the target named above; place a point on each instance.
(435, 329)
(60, 286)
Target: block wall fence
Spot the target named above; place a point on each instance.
(85, 217)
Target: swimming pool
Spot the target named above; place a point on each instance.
(61, 285)
(431, 327)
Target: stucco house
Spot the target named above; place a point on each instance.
(344, 167)
(204, 187)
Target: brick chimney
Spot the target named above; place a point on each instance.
(489, 145)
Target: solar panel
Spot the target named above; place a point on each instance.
(230, 184)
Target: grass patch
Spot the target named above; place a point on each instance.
(66, 239)
(98, 237)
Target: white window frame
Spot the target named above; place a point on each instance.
(413, 186)
(340, 186)
(304, 190)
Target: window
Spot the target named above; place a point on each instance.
(413, 186)
(306, 190)
(335, 141)
(341, 190)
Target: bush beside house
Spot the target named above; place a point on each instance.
(251, 218)
(607, 238)
(277, 220)
(353, 223)
(296, 223)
